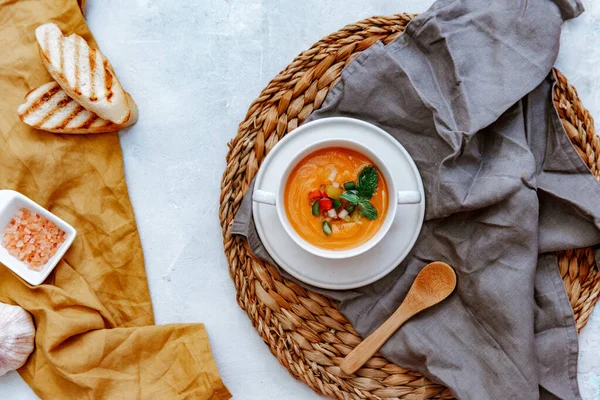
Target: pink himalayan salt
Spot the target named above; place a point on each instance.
(32, 239)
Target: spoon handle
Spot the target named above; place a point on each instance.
(368, 347)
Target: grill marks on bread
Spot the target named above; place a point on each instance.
(92, 59)
(108, 80)
(37, 103)
(62, 125)
(76, 61)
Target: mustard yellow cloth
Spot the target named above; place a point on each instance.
(95, 334)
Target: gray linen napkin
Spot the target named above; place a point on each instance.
(467, 91)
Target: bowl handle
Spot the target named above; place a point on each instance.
(263, 197)
(408, 197)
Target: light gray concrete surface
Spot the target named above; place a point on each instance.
(194, 67)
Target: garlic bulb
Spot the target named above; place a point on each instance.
(16, 337)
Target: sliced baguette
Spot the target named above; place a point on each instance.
(49, 108)
(84, 73)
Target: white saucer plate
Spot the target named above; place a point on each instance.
(351, 272)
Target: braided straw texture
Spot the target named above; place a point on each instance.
(305, 330)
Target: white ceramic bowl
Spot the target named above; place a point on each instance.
(395, 197)
(10, 203)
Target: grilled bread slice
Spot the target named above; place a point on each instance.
(84, 73)
(48, 107)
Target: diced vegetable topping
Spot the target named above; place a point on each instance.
(325, 204)
(333, 192)
(315, 195)
(315, 209)
(349, 185)
(346, 203)
(327, 228)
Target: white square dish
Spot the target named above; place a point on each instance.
(10, 203)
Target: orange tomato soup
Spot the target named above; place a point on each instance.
(323, 167)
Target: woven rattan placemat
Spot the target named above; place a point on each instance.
(304, 330)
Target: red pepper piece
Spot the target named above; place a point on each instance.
(325, 204)
(315, 195)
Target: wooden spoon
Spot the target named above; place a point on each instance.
(433, 284)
